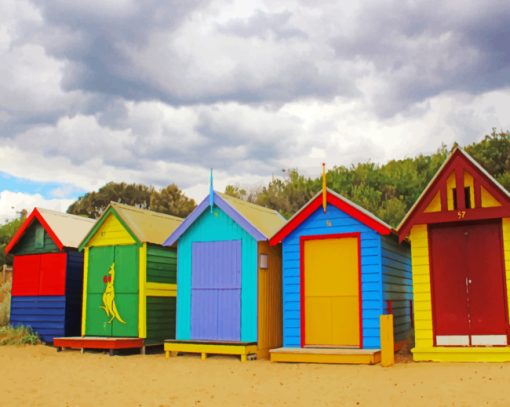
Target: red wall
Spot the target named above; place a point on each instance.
(39, 274)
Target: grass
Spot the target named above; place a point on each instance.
(20, 335)
(9, 335)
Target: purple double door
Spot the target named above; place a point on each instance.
(216, 290)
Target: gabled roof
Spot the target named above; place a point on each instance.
(340, 202)
(256, 220)
(65, 230)
(458, 157)
(144, 226)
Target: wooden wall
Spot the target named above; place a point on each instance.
(397, 284)
(332, 222)
(270, 300)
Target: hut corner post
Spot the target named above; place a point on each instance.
(387, 341)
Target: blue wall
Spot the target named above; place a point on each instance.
(371, 276)
(44, 314)
(397, 283)
(213, 227)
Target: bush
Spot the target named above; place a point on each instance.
(5, 302)
(20, 335)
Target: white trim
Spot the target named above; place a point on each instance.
(488, 340)
(452, 340)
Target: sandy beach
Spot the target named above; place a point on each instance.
(39, 376)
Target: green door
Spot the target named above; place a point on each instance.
(112, 291)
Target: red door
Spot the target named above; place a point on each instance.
(468, 288)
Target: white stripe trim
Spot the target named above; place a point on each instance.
(489, 340)
(452, 340)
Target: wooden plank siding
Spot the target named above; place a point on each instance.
(161, 264)
(270, 301)
(421, 286)
(506, 250)
(74, 290)
(111, 233)
(334, 221)
(210, 227)
(27, 243)
(397, 284)
(44, 314)
(160, 318)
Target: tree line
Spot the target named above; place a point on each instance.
(387, 190)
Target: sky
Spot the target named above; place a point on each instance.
(158, 92)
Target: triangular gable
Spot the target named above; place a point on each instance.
(28, 221)
(226, 207)
(480, 196)
(105, 217)
(339, 202)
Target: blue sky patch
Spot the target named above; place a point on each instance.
(49, 190)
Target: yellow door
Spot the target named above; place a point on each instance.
(331, 292)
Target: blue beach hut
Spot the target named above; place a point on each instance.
(342, 268)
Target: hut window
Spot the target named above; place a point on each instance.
(467, 197)
(263, 264)
(39, 236)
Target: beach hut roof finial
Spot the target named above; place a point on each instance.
(211, 191)
(324, 188)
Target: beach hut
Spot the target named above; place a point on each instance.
(342, 269)
(459, 230)
(229, 278)
(129, 281)
(48, 273)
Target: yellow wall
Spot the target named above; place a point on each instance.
(84, 297)
(270, 301)
(469, 182)
(488, 201)
(506, 249)
(111, 233)
(450, 184)
(435, 204)
(142, 298)
(421, 286)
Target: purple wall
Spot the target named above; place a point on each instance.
(216, 290)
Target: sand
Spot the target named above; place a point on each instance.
(39, 376)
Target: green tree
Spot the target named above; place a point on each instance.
(236, 191)
(172, 201)
(93, 204)
(7, 232)
(493, 153)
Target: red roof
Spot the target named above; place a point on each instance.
(340, 202)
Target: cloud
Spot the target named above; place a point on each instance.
(158, 92)
(11, 203)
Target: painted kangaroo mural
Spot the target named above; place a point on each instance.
(109, 297)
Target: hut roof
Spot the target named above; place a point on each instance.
(65, 229)
(258, 221)
(457, 157)
(145, 226)
(339, 201)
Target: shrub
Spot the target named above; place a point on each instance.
(20, 335)
(5, 302)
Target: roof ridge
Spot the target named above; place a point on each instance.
(254, 205)
(64, 214)
(146, 211)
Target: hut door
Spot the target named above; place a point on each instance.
(216, 291)
(331, 292)
(469, 302)
(121, 298)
